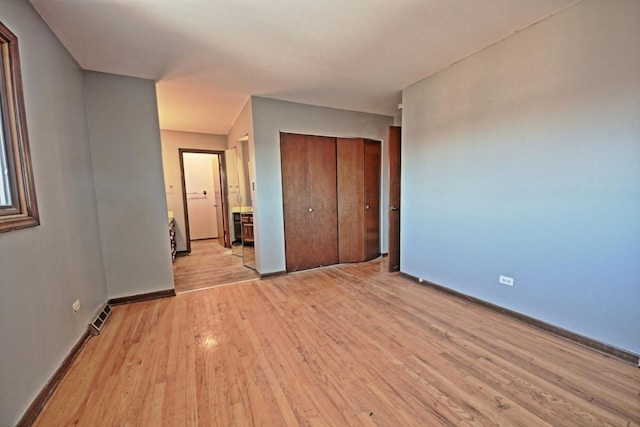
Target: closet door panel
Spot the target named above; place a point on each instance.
(372, 165)
(351, 247)
(294, 156)
(322, 191)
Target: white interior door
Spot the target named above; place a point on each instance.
(199, 179)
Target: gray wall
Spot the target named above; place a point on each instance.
(270, 117)
(127, 163)
(43, 270)
(172, 141)
(524, 160)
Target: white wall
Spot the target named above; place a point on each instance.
(270, 117)
(44, 269)
(172, 141)
(524, 160)
(127, 163)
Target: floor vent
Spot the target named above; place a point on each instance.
(96, 326)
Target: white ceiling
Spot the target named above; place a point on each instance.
(208, 56)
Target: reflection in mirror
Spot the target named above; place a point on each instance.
(246, 217)
(233, 200)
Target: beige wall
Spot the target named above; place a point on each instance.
(172, 141)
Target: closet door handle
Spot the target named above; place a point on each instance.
(394, 208)
(366, 206)
(310, 209)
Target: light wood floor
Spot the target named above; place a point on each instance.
(338, 346)
(209, 264)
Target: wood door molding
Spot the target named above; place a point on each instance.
(395, 142)
(372, 184)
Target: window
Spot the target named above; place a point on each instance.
(18, 207)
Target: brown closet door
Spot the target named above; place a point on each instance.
(372, 165)
(309, 200)
(294, 156)
(351, 247)
(322, 191)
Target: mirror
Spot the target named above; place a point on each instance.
(246, 208)
(233, 200)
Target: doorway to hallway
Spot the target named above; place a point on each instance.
(209, 259)
(203, 184)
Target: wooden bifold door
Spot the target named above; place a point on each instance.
(358, 199)
(331, 199)
(309, 199)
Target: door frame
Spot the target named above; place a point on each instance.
(393, 212)
(223, 189)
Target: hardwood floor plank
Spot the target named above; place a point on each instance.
(346, 345)
(209, 264)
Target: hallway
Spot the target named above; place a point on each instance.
(209, 265)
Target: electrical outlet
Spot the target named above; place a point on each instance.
(76, 306)
(505, 280)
